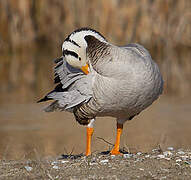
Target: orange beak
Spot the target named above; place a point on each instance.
(85, 69)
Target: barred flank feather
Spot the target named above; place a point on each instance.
(85, 112)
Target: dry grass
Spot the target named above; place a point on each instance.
(163, 26)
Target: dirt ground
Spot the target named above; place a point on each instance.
(31, 142)
(169, 164)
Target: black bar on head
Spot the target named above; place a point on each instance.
(71, 53)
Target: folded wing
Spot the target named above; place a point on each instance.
(73, 87)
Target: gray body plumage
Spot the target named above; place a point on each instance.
(122, 82)
(125, 81)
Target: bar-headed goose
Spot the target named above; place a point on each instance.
(96, 78)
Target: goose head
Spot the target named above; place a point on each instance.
(74, 47)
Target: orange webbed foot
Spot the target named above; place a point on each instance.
(115, 152)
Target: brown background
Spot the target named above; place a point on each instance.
(31, 33)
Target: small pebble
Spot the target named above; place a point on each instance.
(93, 163)
(178, 160)
(184, 158)
(141, 169)
(139, 153)
(53, 163)
(55, 167)
(104, 161)
(170, 148)
(181, 152)
(155, 150)
(161, 156)
(167, 153)
(28, 168)
(112, 156)
(147, 156)
(127, 155)
(164, 177)
(64, 161)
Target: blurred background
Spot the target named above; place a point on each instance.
(31, 34)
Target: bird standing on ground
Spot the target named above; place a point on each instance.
(96, 78)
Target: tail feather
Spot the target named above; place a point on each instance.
(43, 99)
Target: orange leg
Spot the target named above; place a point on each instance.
(115, 150)
(89, 136)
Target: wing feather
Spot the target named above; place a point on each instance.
(73, 87)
